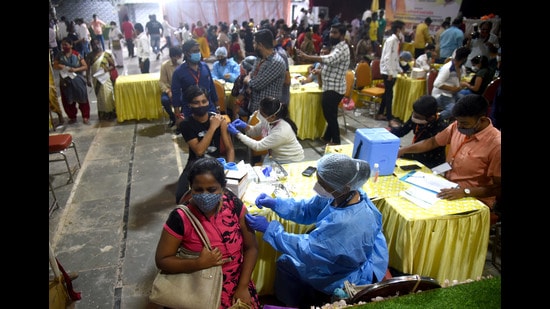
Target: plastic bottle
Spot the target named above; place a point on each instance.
(375, 172)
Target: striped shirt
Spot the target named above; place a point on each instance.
(335, 66)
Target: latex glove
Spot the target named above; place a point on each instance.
(258, 223)
(231, 129)
(239, 124)
(265, 200)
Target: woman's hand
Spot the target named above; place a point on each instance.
(243, 294)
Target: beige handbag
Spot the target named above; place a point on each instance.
(200, 289)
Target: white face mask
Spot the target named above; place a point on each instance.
(321, 191)
(179, 61)
(403, 63)
(418, 121)
(475, 69)
(498, 58)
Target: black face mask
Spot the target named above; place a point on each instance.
(199, 111)
(334, 41)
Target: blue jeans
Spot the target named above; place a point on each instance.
(167, 104)
(100, 38)
(155, 43)
(445, 104)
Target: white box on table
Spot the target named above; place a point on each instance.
(376, 145)
(237, 181)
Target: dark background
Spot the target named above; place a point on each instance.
(349, 8)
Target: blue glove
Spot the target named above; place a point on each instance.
(239, 124)
(231, 129)
(265, 200)
(258, 223)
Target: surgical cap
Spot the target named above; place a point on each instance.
(339, 170)
(221, 51)
(248, 63)
(405, 55)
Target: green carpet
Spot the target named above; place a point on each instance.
(484, 294)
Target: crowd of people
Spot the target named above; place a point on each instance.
(450, 125)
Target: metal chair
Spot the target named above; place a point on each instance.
(58, 145)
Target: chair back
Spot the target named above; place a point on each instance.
(363, 75)
(220, 91)
(350, 81)
(491, 90)
(490, 93)
(430, 79)
(377, 79)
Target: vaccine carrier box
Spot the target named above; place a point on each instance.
(376, 145)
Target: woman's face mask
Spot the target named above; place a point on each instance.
(403, 63)
(321, 191)
(207, 202)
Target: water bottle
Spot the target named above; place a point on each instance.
(375, 172)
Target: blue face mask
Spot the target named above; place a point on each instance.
(468, 131)
(195, 57)
(207, 202)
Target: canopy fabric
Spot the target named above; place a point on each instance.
(214, 11)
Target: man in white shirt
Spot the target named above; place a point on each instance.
(143, 48)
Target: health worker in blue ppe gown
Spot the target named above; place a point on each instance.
(347, 242)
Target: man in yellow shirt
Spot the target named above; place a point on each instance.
(422, 37)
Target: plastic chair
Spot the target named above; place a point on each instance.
(58, 145)
(430, 78)
(377, 79)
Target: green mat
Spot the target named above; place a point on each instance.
(484, 294)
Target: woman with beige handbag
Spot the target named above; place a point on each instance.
(221, 214)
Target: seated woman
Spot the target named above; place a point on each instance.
(277, 132)
(314, 70)
(205, 133)
(482, 78)
(222, 215)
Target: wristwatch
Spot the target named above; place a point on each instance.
(467, 191)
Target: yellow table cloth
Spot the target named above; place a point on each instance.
(138, 97)
(299, 69)
(447, 241)
(405, 91)
(306, 111)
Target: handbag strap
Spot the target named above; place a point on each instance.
(197, 225)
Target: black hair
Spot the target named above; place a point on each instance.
(397, 24)
(341, 28)
(273, 106)
(264, 37)
(207, 165)
(471, 105)
(138, 27)
(175, 51)
(426, 106)
(462, 53)
(186, 47)
(481, 59)
(194, 91)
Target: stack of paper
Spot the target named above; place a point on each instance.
(425, 188)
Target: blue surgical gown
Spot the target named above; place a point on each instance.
(346, 243)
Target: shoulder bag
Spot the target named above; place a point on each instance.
(200, 289)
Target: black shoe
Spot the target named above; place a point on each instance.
(177, 131)
(172, 123)
(158, 56)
